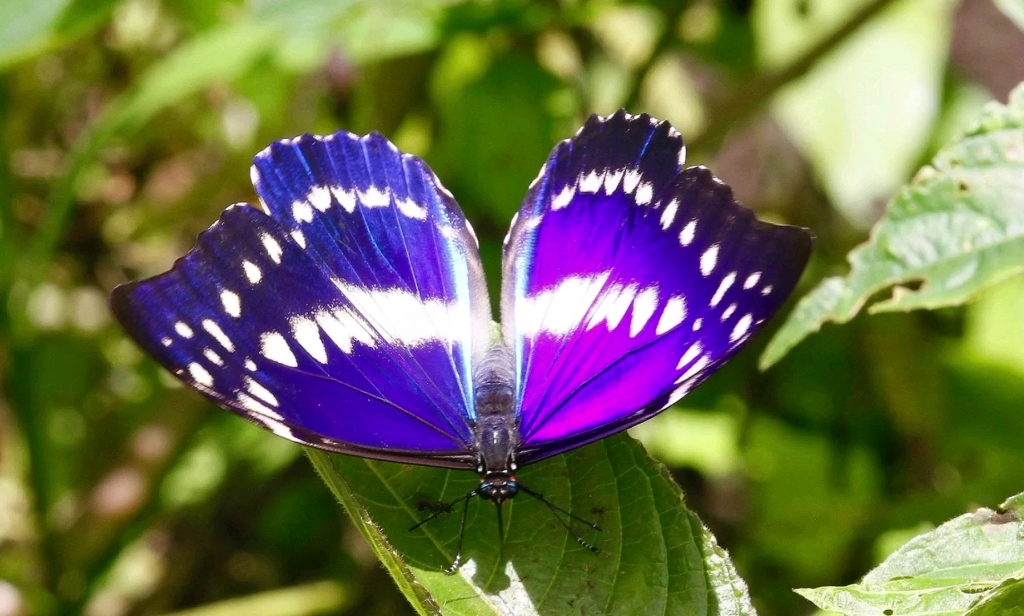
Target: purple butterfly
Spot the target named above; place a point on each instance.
(351, 314)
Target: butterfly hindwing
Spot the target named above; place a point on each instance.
(628, 280)
(346, 317)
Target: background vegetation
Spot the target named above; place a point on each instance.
(129, 125)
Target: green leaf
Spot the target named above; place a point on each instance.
(968, 562)
(506, 105)
(957, 228)
(1014, 9)
(863, 114)
(1008, 600)
(655, 555)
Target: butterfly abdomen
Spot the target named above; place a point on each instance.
(495, 428)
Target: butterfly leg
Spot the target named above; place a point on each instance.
(462, 531)
(556, 511)
(440, 508)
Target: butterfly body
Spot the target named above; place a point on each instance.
(351, 314)
(495, 432)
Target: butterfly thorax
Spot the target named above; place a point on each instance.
(495, 430)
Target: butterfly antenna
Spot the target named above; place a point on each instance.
(556, 510)
(462, 531)
(444, 508)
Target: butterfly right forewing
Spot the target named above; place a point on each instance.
(628, 280)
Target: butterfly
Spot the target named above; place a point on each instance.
(350, 313)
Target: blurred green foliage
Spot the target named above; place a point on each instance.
(129, 125)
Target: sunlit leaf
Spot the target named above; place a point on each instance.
(967, 562)
(655, 555)
(863, 114)
(957, 229)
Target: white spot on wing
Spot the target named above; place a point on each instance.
(678, 393)
(688, 233)
(411, 209)
(591, 183)
(273, 248)
(302, 212)
(697, 366)
(611, 181)
(214, 330)
(708, 261)
(644, 305)
(274, 348)
(404, 318)
(645, 193)
(669, 215)
(612, 306)
(672, 315)
(564, 197)
(690, 354)
(766, 290)
(319, 197)
(307, 334)
(751, 280)
(682, 155)
(260, 392)
(723, 286)
(211, 355)
(253, 405)
(183, 330)
(232, 303)
(631, 180)
(347, 198)
(741, 327)
(299, 238)
(342, 328)
(200, 375)
(728, 312)
(250, 365)
(559, 310)
(697, 323)
(252, 272)
(166, 341)
(375, 197)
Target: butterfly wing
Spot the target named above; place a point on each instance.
(628, 280)
(346, 317)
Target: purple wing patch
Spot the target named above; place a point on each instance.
(628, 280)
(345, 317)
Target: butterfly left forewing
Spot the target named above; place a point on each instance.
(342, 318)
(628, 280)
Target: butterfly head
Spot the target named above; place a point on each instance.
(498, 487)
